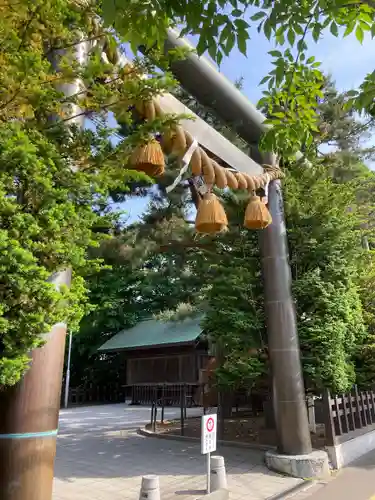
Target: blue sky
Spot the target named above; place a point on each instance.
(345, 59)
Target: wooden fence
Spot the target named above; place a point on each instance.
(345, 413)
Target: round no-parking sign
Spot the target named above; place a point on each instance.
(210, 424)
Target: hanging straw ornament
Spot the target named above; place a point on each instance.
(220, 177)
(148, 158)
(231, 179)
(174, 141)
(207, 169)
(257, 215)
(211, 217)
(195, 162)
(242, 183)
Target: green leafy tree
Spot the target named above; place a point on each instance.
(295, 82)
(326, 261)
(57, 183)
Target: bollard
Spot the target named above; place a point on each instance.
(150, 488)
(218, 474)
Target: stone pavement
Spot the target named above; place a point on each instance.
(101, 457)
(355, 482)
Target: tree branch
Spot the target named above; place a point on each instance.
(69, 45)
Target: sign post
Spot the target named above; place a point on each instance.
(208, 441)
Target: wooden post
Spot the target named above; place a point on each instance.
(328, 419)
(28, 424)
(338, 415)
(352, 412)
(361, 422)
(311, 414)
(345, 412)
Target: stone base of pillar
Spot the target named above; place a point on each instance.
(311, 466)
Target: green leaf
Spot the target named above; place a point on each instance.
(275, 53)
(241, 24)
(267, 28)
(298, 29)
(291, 37)
(212, 48)
(280, 39)
(241, 42)
(373, 30)
(289, 55)
(219, 58)
(237, 12)
(301, 45)
(279, 75)
(316, 33)
(258, 15)
(334, 29)
(109, 11)
(349, 29)
(359, 34)
(264, 80)
(201, 46)
(310, 60)
(230, 43)
(365, 26)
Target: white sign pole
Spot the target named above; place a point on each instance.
(208, 441)
(208, 472)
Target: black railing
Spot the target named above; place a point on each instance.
(169, 394)
(96, 394)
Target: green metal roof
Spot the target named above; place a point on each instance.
(155, 333)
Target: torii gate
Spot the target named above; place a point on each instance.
(202, 80)
(39, 391)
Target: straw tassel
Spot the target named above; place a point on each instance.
(148, 158)
(257, 215)
(211, 217)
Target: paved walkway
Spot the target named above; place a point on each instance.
(101, 457)
(356, 482)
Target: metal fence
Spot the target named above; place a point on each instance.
(167, 394)
(141, 394)
(96, 394)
